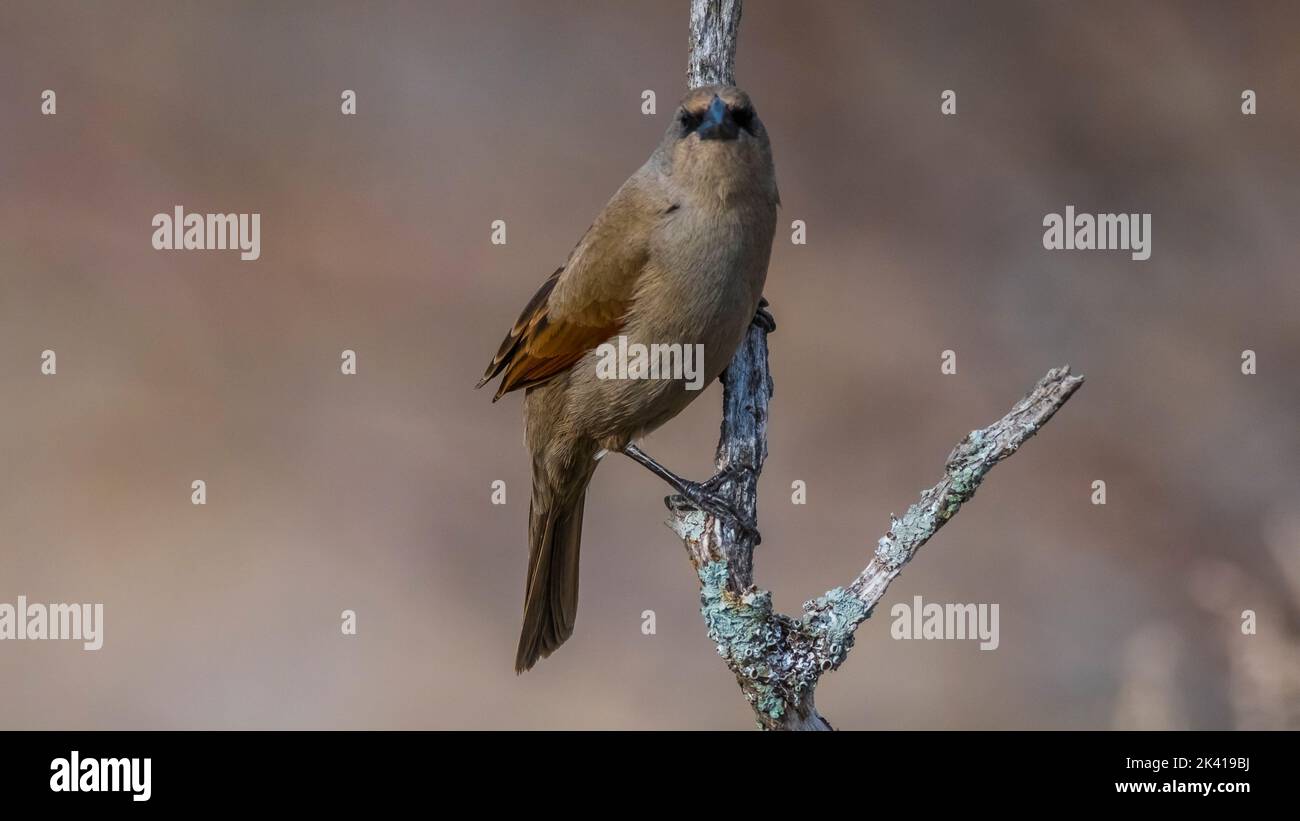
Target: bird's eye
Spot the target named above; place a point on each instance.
(689, 121)
(744, 118)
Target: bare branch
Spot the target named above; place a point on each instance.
(778, 660)
(967, 465)
(715, 24)
(973, 457)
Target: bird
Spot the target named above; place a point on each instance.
(679, 255)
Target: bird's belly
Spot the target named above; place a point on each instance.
(672, 352)
(690, 312)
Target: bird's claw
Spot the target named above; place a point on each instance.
(714, 484)
(698, 497)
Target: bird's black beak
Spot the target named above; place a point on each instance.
(718, 124)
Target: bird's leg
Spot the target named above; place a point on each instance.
(763, 317)
(700, 496)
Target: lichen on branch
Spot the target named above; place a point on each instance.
(778, 660)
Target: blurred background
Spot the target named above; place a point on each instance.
(373, 492)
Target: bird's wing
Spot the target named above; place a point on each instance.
(585, 302)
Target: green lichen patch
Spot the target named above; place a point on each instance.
(759, 645)
(830, 620)
(776, 659)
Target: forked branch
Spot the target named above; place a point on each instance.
(777, 659)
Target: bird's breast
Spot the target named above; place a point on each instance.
(704, 279)
(696, 296)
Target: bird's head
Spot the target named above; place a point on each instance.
(716, 137)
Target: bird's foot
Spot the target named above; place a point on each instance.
(715, 484)
(763, 317)
(699, 496)
(705, 496)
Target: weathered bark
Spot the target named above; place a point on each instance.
(715, 24)
(777, 659)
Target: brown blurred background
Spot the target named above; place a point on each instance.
(372, 492)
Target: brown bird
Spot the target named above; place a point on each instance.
(678, 256)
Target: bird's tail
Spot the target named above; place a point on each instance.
(551, 595)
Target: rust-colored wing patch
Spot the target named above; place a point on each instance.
(586, 301)
(541, 345)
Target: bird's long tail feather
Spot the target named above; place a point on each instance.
(551, 596)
